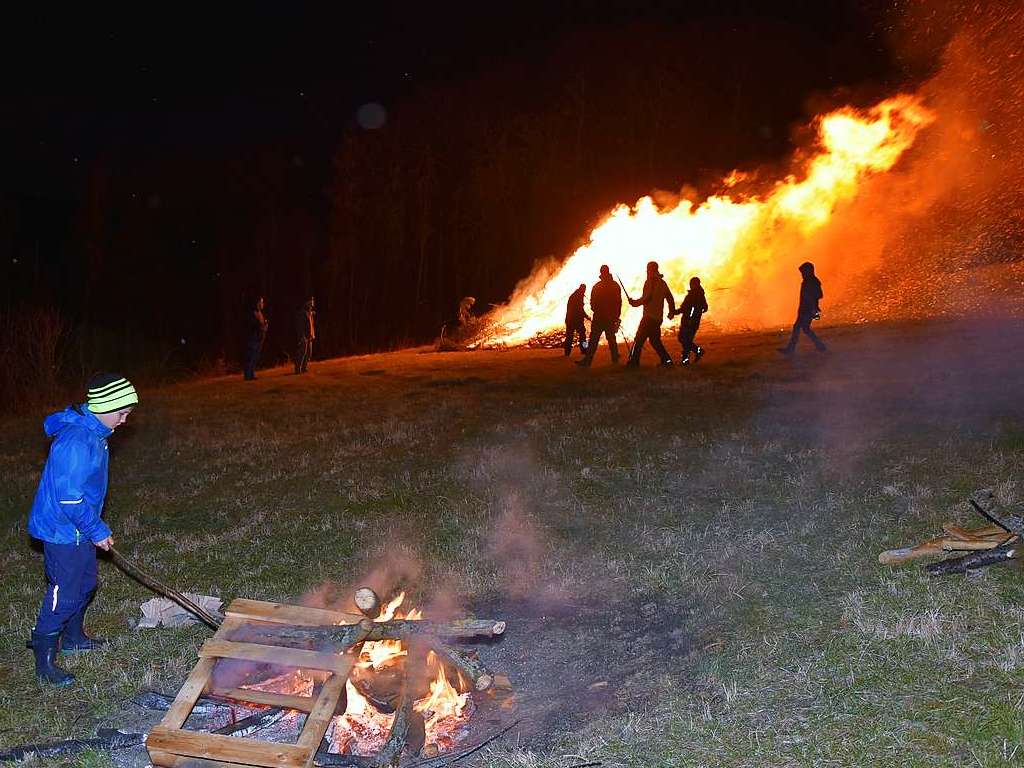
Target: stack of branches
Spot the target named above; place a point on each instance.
(975, 548)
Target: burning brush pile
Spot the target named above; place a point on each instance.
(375, 687)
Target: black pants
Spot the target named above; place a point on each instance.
(252, 357)
(803, 323)
(609, 328)
(302, 355)
(649, 330)
(574, 328)
(687, 333)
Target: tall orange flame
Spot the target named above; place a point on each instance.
(720, 239)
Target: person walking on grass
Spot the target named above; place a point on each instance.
(305, 330)
(606, 304)
(694, 305)
(256, 334)
(67, 516)
(656, 294)
(575, 317)
(808, 310)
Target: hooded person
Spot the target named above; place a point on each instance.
(575, 315)
(808, 310)
(656, 294)
(67, 517)
(606, 305)
(694, 305)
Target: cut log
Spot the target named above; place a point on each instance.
(963, 545)
(930, 548)
(401, 629)
(973, 560)
(368, 602)
(968, 534)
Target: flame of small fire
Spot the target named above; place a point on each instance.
(364, 728)
(444, 701)
(720, 238)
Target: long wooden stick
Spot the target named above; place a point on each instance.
(162, 589)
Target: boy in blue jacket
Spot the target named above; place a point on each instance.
(67, 517)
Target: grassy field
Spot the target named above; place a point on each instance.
(746, 499)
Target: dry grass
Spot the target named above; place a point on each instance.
(752, 495)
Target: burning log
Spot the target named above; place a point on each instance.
(345, 635)
(469, 666)
(974, 560)
(383, 687)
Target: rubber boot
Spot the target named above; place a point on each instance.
(45, 649)
(75, 639)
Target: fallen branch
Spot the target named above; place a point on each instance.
(105, 739)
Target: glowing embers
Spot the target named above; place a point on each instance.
(302, 683)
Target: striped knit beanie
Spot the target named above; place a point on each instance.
(109, 392)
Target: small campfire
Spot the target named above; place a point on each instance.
(344, 689)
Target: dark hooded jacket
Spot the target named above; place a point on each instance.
(810, 291)
(656, 293)
(606, 300)
(694, 306)
(574, 312)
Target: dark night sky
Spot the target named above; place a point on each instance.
(83, 83)
(96, 100)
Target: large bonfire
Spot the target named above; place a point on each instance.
(728, 236)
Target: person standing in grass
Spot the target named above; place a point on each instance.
(606, 304)
(67, 517)
(256, 335)
(305, 330)
(808, 310)
(575, 315)
(656, 294)
(692, 309)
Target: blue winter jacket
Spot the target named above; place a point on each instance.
(69, 502)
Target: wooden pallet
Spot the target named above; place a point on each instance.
(171, 746)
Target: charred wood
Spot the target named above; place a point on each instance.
(974, 560)
(254, 722)
(161, 702)
(105, 739)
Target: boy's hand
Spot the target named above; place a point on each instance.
(106, 544)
